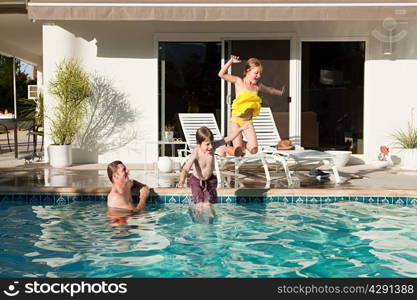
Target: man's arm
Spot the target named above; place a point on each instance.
(187, 168)
(143, 193)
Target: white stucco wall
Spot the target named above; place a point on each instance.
(125, 52)
(131, 75)
(391, 95)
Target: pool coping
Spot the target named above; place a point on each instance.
(221, 192)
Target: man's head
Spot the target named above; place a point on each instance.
(117, 171)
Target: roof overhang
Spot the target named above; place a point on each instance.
(19, 37)
(221, 10)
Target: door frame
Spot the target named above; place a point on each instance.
(356, 38)
(294, 85)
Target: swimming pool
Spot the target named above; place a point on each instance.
(268, 239)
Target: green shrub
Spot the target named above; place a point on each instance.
(71, 88)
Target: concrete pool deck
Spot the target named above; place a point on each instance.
(38, 177)
(358, 180)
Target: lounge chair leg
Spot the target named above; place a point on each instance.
(288, 175)
(238, 163)
(286, 170)
(267, 175)
(336, 174)
(219, 175)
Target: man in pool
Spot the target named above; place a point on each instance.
(120, 196)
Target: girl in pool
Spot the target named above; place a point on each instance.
(247, 103)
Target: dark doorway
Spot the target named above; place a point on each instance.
(188, 80)
(332, 95)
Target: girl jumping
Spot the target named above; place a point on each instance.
(247, 103)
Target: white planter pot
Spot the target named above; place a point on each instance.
(165, 164)
(408, 159)
(341, 157)
(60, 155)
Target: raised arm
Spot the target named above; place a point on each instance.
(223, 71)
(187, 168)
(270, 90)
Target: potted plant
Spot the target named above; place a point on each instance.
(407, 141)
(169, 132)
(71, 88)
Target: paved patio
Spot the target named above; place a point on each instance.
(31, 174)
(15, 173)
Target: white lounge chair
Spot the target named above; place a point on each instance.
(268, 138)
(190, 122)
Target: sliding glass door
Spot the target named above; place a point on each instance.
(188, 81)
(332, 95)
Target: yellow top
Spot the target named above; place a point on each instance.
(245, 100)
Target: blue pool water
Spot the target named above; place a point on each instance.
(346, 239)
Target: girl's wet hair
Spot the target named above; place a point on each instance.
(203, 133)
(251, 63)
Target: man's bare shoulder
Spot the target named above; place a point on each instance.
(113, 195)
(116, 199)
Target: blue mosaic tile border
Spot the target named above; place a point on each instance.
(49, 199)
(62, 199)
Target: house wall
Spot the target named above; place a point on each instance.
(124, 51)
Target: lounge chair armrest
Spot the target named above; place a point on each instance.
(183, 152)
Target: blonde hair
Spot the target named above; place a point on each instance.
(203, 133)
(250, 64)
